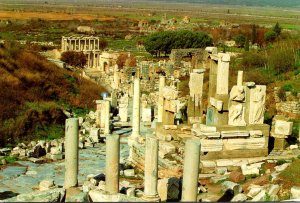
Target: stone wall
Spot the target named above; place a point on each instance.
(290, 107)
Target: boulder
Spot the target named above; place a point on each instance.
(38, 151)
(236, 176)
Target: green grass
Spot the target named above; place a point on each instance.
(51, 132)
(9, 159)
(292, 173)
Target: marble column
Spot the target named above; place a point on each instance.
(151, 169)
(112, 163)
(240, 78)
(71, 152)
(160, 108)
(191, 170)
(136, 110)
(107, 117)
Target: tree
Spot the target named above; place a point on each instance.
(247, 44)
(253, 34)
(72, 58)
(277, 29)
(163, 42)
(270, 36)
(240, 40)
(103, 44)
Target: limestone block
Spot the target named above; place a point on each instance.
(170, 127)
(54, 195)
(239, 198)
(166, 148)
(195, 86)
(222, 73)
(218, 104)
(221, 170)
(46, 184)
(260, 196)
(273, 190)
(240, 143)
(230, 134)
(283, 127)
(236, 188)
(102, 196)
(130, 192)
(94, 134)
(211, 145)
(224, 162)
(170, 105)
(129, 172)
(168, 189)
(295, 191)
(209, 164)
(254, 190)
(250, 170)
(255, 133)
(206, 128)
(146, 115)
(282, 167)
(169, 93)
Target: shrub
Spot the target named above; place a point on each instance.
(77, 59)
(282, 59)
(253, 60)
(280, 162)
(270, 36)
(281, 94)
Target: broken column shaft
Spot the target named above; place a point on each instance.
(136, 110)
(112, 163)
(160, 108)
(191, 170)
(151, 169)
(107, 117)
(71, 152)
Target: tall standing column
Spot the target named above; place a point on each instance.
(71, 152)
(136, 110)
(160, 108)
(107, 117)
(112, 163)
(151, 169)
(191, 170)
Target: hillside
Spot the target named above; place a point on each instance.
(33, 94)
(269, 3)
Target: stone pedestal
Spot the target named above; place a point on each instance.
(191, 170)
(151, 169)
(136, 110)
(112, 163)
(71, 153)
(280, 143)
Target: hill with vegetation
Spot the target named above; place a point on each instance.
(34, 92)
(269, 3)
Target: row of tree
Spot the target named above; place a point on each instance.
(163, 42)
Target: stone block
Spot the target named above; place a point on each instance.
(102, 196)
(46, 184)
(295, 192)
(255, 133)
(231, 134)
(146, 115)
(129, 173)
(236, 188)
(224, 162)
(209, 164)
(273, 190)
(170, 127)
(283, 127)
(94, 134)
(54, 195)
(166, 148)
(211, 145)
(254, 190)
(239, 198)
(249, 143)
(168, 189)
(260, 196)
(280, 143)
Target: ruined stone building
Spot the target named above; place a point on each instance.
(90, 46)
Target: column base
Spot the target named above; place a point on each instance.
(133, 139)
(155, 198)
